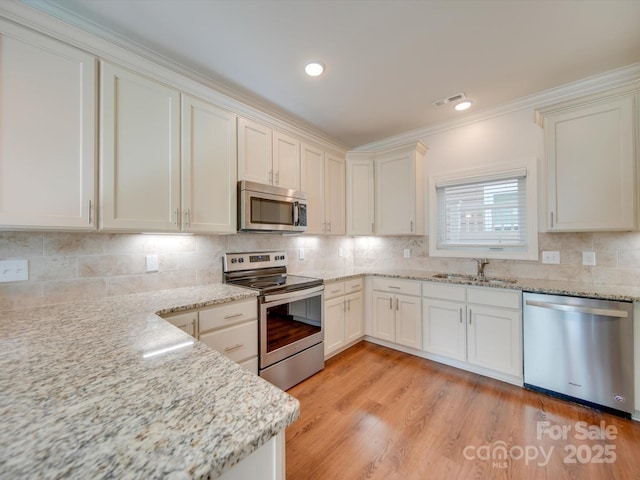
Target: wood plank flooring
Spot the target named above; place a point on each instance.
(377, 413)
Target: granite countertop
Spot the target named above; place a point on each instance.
(552, 287)
(81, 398)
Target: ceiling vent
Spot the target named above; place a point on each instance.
(453, 98)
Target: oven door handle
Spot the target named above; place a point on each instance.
(298, 294)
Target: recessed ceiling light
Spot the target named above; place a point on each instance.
(313, 69)
(463, 105)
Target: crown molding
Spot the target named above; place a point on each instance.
(625, 78)
(66, 26)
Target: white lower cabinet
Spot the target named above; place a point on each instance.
(232, 329)
(343, 315)
(397, 315)
(478, 328)
(187, 322)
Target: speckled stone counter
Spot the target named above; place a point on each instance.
(605, 292)
(81, 398)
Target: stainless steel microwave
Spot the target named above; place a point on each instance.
(266, 208)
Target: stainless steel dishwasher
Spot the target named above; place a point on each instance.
(580, 349)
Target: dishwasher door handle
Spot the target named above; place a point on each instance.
(573, 308)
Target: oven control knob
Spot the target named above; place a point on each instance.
(241, 260)
(234, 260)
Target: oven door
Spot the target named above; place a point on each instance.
(266, 208)
(289, 323)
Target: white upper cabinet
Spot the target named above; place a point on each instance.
(323, 180)
(255, 155)
(139, 153)
(267, 156)
(360, 197)
(591, 164)
(208, 168)
(399, 191)
(334, 192)
(286, 161)
(47, 133)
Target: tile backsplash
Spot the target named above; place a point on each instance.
(67, 267)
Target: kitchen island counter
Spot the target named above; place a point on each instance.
(108, 389)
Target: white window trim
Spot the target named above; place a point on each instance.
(531, 251)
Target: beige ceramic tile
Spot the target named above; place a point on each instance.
(145, 282)
(20, 295)
(64, 291)
(74, 244)
(104, 265)
(130, 243)
(176, 279)
(20, 244)
(208, 275)
(52, 268)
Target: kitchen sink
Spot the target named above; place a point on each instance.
(475, 278)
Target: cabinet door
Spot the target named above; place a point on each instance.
(591, 162)
(334, 317)
(334, 195)
(444, 328)
(187, 322)
(139, 154)
(312, 182)
(409, 321)
(254, 152)
(395, 195)
(354, 318)
(384, 323)
(286, 161)
(209, 164)
(47, 132)
(494, 339)
(360, 197)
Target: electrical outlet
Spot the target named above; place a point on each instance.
(551, 257)
(14, 270)
(301, 253)
(152, 263)
(407, 253)
(589, 258)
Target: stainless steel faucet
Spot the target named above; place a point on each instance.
(482, 262)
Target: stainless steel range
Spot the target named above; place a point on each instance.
(290, 315)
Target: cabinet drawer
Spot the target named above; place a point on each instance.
(407, 287)
(239, 342)
(251, 365)
(444, 292)
(228, 314)
(494, 297)
(351, 286)
(334, 289)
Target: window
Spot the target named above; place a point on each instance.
(489, 214)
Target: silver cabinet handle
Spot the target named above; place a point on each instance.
(397, 303)
(393, 287)
(460, 314)
(278, 177)
(235, 315)
(470, 316)
(271, 177)
(373, 225)
(329, 226)
(235, 347)
(551, 215)
(90, 212)
(572, 308)
(390, 303)
(349, 305)
(411, 226)
(177, 217)
(187, 218)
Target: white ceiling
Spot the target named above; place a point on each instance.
(386, 60)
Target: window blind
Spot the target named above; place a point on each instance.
(488, 212)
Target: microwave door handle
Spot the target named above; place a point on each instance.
(296, 213)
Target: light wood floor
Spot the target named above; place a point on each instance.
(381, 414)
